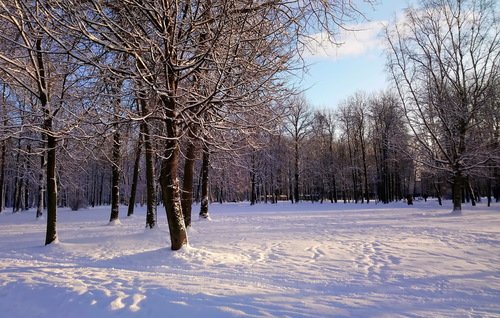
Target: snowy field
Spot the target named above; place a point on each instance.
(306, 260)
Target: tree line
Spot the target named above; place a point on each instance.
(170, 102)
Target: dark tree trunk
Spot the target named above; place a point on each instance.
(51, 186)
(296, 176)
(386, 180)
(335, 194)
(489, 189)
(496, 194)
(204, 182)
(101, 189)
(151, 211)
(472, 195)
(26, 194)
(353, 172)
(2, 176)
(41, 188)
(253, 190)
(457, 183)
(26, 204)
(115, 177)
(16, 198)
(94, 187)
(438, 193)
(3, 151)
(365, 170)
(169, 181)
(187, 186)
(171, 196)
(135, 178)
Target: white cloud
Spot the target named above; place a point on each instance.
(355, 40)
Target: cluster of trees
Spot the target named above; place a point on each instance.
(166, 102)
(444, 58)
(94, 91)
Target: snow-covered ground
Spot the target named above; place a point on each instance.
(305, 260)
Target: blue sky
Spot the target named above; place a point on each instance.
(359, 64)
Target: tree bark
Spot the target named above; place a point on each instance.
(204, 183)
(16, 199)
(51, 232)
(457, 182)
(41, 192)
(26, 192)
(296, 175)
(363, 157)
(187, 186)
(253, 190)
(470, 189)
(2, 177)
(115, 177)
(3, 152)
(151, 211)
(169, 182)
(135, 178)
(51, 235)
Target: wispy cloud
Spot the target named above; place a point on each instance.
(355, 40)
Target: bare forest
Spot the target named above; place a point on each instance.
(170, 103)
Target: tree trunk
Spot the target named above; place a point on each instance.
(335, 194)
(3, 151)
(489, 189)
(41, 188)
(204, 182)
(16, 199)
(135, 178)
(457, 193)
(51, 235)
(151, 211)
(290, 182)
(296, 176)
(171, 195)
(253, 190)
(51, 232)
(472, 195)
(187, 186)
(26, 192)
(496, 191)
(365, 170)
(169, 182)
(438, 193)
(2, 176)
(115, 177)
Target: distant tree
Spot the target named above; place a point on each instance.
(444, 57)
(389, 141)
(298, 126)
(135, 178)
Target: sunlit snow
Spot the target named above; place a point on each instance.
(283, 260)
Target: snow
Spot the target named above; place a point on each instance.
(282, 260)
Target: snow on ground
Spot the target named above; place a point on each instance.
(284, 260)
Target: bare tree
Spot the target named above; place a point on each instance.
(444, 57)
(298, 125)
(213, 65)
(389, 138)
(25, 52)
